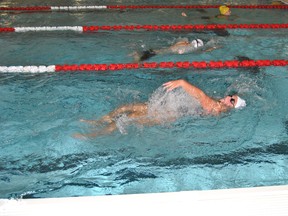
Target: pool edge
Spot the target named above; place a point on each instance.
(270, 200)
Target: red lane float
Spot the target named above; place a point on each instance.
(7, 29)
(144, 27)
(164, 65)
(183, 27)
(123, 7)
(144, 65)
(194, 6)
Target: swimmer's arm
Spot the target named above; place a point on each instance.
(174, 48)
(184, 42)
(231, 17)
(212, 48)
(206, 102)
(163, 51)
(179, 44)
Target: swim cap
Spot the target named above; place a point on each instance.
(197, 43)
(240, 103)
(223, 9)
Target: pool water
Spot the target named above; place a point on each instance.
(39, 156)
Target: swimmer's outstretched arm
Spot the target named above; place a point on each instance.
(107, 130)
(173, 48)
(102, 120)
(206, 102)
(212, 48)
(163, 51)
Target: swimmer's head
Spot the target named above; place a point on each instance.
(224, 10)
(233, 101)
(197, 43)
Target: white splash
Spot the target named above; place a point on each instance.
(174, 104)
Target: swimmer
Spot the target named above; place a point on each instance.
(253, 70)
(219, 32)
(201, 10)
(279, 2)
(139, 113)
(225, 12)
(181, 47)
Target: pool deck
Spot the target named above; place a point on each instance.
(243, 201)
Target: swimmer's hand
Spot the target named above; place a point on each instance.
(184, 14)
(91, 122)
(180, 51)
(169, 86)
(79, 136)
(87, 121)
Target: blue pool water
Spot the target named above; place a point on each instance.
(40, 112)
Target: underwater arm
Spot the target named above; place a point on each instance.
(163, 51)
(106, 130)
(211, 45)
(211, 48)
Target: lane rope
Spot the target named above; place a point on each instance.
(143, 27)
(144, 65)
(123, 7)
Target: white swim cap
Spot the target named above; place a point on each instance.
(197, 43)
(240, 103)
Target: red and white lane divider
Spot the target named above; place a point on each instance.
(144, 65)
(144, 27)
(122, 7)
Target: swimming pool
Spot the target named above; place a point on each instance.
(41, 112)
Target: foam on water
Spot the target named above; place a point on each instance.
(175, 104)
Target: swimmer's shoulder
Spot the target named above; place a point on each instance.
(231, 17)
(220, 16)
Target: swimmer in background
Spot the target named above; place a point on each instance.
(219, 32)
(181, 47)
(278, 2)
(225, 13)
(139, 113)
